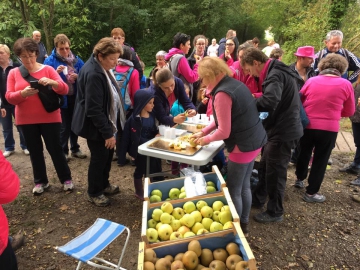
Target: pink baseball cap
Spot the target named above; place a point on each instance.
(306, 51)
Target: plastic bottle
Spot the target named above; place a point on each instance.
(263, 115)
(189, 185)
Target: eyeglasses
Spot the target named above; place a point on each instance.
(27, 57)
(230, 44)
(64, 49)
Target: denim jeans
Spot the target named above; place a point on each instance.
(7, 124)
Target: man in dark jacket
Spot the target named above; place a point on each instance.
(42, 50)
(283, 126)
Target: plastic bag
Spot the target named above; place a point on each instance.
(194, 183)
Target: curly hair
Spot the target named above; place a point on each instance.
(333, 60)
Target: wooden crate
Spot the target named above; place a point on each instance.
(206, 241)
(166, 185)
(148, 209)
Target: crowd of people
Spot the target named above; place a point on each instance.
(108, 101)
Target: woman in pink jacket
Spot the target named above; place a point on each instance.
(326, 98)
(9, 189)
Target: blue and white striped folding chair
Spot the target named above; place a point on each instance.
(90, 243)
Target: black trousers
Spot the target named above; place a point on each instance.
(99, 167)
(140, 169)
(8, 259)
(272, 176)
(66, 133)
(50, 133)
(356, 133)
(323, 141)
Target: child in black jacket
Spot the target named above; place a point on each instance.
(140, 128)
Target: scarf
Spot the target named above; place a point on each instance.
(70, 61)
(330, 71)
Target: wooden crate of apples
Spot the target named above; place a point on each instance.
(174, 190)
(193, 218)
(227, 252)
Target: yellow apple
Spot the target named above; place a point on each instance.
(156, 192)
(164, 232)
(176, 235)
(197, 226)
(225, 208)
(167, 207)
(187, 220)
(189, 207)
(224, 217)
(189, 234)
(174, 193)
(217, 205)
(175, 224)
(216, 226)
(228, 225)
(165, 218)
(207, 223)
(197, 216)
(215, 215)
(200, 204)
(152, 235)
(207, 211)
(183, 230)
(178, 213)
(156, 214)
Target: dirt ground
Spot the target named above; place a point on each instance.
(312, 236)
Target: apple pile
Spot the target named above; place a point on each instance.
(196, 258)
(169, 223)
(175, 193)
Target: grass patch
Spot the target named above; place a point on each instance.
(147, 70)
(345, 125)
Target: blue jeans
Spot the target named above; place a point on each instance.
(7, 124)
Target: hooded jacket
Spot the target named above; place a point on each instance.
(310, 72)
(281, 99)
(131, 138)
(3, 82)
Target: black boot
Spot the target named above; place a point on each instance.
(245, 228)
(139, 191)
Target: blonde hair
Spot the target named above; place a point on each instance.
(5, 48)
(210, 67)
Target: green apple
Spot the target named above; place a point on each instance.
(200, 204)
(228, 225)
(216, 226)
(187, 220)
(164, 232)
(210, 189)
(183, 230)
(182, 189)
(197, 226)
(189, 234)
(210, 184)
(202, 231)
(225, 208)
(158, 225)
(216, 206)
(156, 192)
(165, 218)
(155, 198)
(176, 235)
(156, 214)
(215, 216)
(197, 216)
(178, 213)
(189, 207)
(167, 207)
(152, 235)
(174, 193)
(207, 211)
(167, 199)
(224, 217)
(207, 223)
(151, 223)
(175, 224)
(182, 195)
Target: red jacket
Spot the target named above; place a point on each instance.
(248, 80)
(9, 189)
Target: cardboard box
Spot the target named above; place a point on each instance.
(206, 241)
(148, 209)
(166, 185)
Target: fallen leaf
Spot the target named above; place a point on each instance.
(65, 237)
(338, 181)
(64, 207)
(305, 258)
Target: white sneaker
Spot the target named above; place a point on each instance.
(68, 185)
(8, 153)
(26, 152)
(39, 188)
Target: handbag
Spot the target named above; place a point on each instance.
(49, 98)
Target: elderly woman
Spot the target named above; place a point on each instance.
(68, 66)
(96, 110)
(160, 63)
(236, 121)
(33, 120)
(8, 110)
(326, 98)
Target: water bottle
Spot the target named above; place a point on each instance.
(263, 115)
(189, 185)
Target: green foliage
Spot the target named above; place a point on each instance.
(349, 26)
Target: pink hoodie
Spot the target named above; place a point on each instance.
(184, 69)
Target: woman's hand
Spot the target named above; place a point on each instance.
(227, 54)
(73, 76)
(28, 91)
(46, 81)
(358, 102)
(191, 113)
(205, 101)
(197, 135)
(60, 69)
(179, 119)
(110, 143)
(3, 113)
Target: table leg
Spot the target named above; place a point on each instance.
(147, 166)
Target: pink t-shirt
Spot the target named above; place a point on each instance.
(222, 105)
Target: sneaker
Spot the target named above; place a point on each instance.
(99, 200)
(356, 182)
(356, 198)
(264, 217)
(67, 157)
(111, 189)
(17, 240)
(314, 198)
(39, 188)
(299, 184)
(115, 157)
(245, 228)
(132, 162)
(8, 153)
(26, 152)
(68, 185)
(78, 154)
(168, 162)
(350, 169)
(122, 165)
(330, 161)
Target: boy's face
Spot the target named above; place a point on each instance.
(149, 106)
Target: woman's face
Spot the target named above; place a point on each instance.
(108, 62)
(4, 57)
(160, 61)
(185, 48)
(63, 49)
(200, 46)
(28, 59)
(119, 39)
(168, 87)
(230, 45)
(240, 55)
